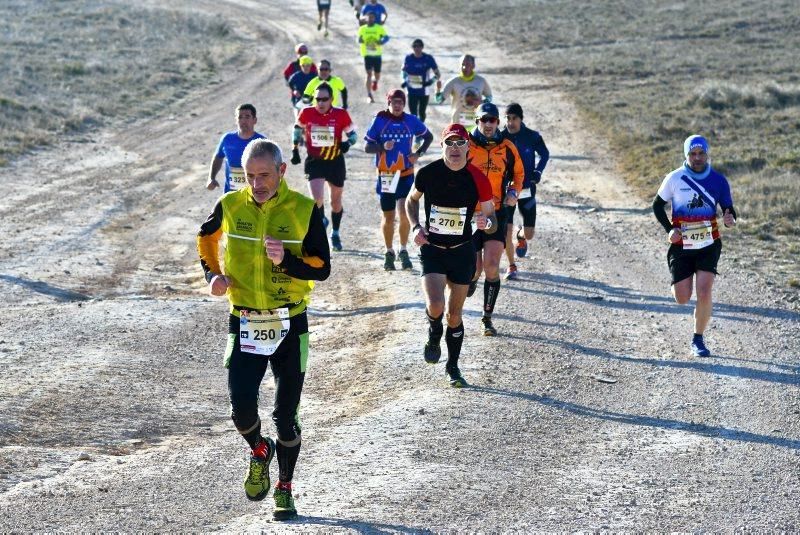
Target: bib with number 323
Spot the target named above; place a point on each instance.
(261, 333)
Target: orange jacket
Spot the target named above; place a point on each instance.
(500, 162)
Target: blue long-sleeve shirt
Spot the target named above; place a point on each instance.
(529, 144)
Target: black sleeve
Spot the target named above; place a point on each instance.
(661, 214)
(344, 97)
(315, 244)
(541, 149)
(427, 139)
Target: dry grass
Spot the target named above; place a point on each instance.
(69, 65)
(647, 73)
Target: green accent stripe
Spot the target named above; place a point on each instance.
(303, 352)
(226, 361)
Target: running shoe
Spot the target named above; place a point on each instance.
(699, 348)
(374, 85)
(284, 504)
(256, 486)
(473, 285)
(370, 99)
(456, 379)
(326, 33)
(336, 242)
(511, 273)
(319, 26)
(522, 244)
(488, 328)
(405, 261)
(388, 261)
(433, 352)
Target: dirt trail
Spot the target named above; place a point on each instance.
(113, 399)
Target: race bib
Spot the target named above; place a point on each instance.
(324, 3)
(696, 234)
(447, 221)
(322, 136)
(389, 182)
(261, 333)
(415, 81)
(238, 180)
(467, 118)
(525, 194)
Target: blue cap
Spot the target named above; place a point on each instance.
(487, 108)
(692, 142)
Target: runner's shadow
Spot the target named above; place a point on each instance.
(359, 527)
(706, 365)
(362, 311)
(647, 421)
(59, 294)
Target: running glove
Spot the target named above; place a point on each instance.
(345, 147)
(537, 176)
(438, 98)
(295, 156)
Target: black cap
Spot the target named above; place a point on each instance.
(417, 42)
(514, 109)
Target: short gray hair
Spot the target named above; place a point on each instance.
(258, 148)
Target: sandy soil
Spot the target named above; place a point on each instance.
(587, 412)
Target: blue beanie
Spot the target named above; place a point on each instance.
(694, 142)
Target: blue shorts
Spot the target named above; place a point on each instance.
(389, 200)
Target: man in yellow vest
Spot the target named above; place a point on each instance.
(276, 248)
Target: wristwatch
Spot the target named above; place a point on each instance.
(416, 227)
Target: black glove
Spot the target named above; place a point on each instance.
(537, 176)
(295, 156)
(404, 85)
(345, 147)
(428, 83)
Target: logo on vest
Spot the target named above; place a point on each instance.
(244, 226)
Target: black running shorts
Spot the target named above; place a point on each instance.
(457, 263)
(334, 171)
(372, 63)
(684, 264)
(527, 207)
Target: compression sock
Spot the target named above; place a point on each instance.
(336, 219)
(490, 291)
(454, 337)
(287, 458)
(435, 328)
(253, 436)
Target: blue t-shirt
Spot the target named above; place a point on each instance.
(378, 9)
(418, 70)
(231, 147)
(402, 130)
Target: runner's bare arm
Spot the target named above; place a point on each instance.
(487, 209)
(216, 165)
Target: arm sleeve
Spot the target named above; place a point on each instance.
(208, 243)
(427, 139)
(660, 213)
(315, 264)
(544, 155)
(344, 97)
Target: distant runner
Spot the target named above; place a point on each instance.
(294, 66)
(276, 248)
(419, 73)
(300, 80)
(324, 10)
(323, 127)
(499, 160)
(390, 138)
(466, 91)
(453, 189)
(694, 190)
(529, 144)
(372, 6)
(336, 83)
(229, 150)
(372, 37)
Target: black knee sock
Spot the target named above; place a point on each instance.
(287, 459)
(253, 437)
(490, 291)
(454, 337)
(336, 219)
(435, 328)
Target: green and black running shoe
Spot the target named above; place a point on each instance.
(488, 328)
(284, 504)
(257, 484)
(433, 352)
(405, 261)
(388, 261)
(456, 379)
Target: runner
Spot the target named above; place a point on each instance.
(324, 9)
(417, 68)
(453, 189)
(466, 92)
(372, 36)
(323, 126)
(499, 160)
(390, 138)
(529, 144)
(357, 5)
(229, 150)
(372, 6)
(276, 248)
(299, 81)
(294, 66)
(694, 190)
(336, 83)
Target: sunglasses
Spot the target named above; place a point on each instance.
(490, 120)
(324, 68)
(455, 142)
(323, 99)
